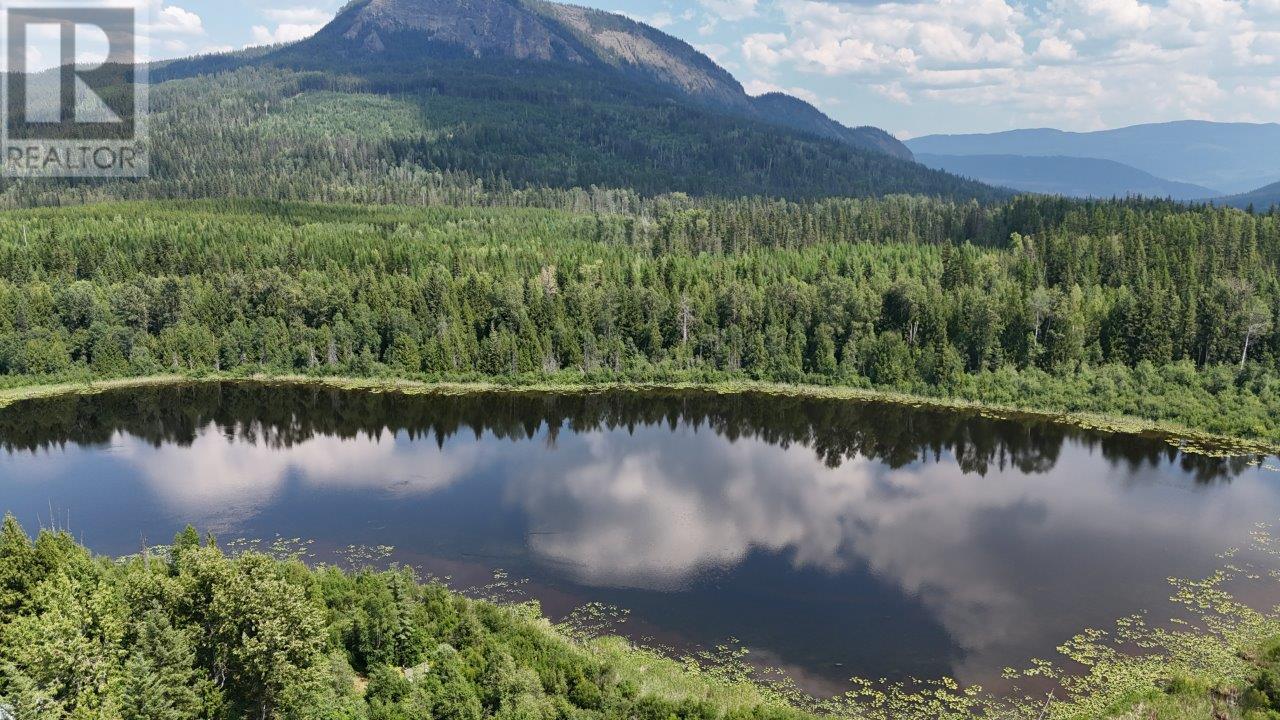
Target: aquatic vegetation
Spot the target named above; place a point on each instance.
(196, 631)
(1176, 669)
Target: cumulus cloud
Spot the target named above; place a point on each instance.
(633, 511)
(290, 24)
(299, 15)
(283, 33)
(1086, 58)
(175, 20)
(731, 10)
(663, 19)
(223, 485)
(762, 87)
(162, 30)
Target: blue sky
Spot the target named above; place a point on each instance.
(916, 66)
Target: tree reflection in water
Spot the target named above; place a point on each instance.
(835, 538)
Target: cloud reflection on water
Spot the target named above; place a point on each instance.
(997, 559)
(1010, 537)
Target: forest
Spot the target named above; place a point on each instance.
(194, 632)
(387, 136)
(1138, 308)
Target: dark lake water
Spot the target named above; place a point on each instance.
(831, 538)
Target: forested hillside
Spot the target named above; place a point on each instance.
(542, 100)
(396, 137)
(1142, 308)
(1262, 199)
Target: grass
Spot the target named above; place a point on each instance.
(657, 674)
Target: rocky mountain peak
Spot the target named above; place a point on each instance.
(541, 31)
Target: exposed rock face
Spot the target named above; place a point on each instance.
(485, 28)
(632, 46)
(537, 30)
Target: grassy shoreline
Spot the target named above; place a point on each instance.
(1186, 438)
(1185, 674)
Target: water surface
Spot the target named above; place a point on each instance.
(831, 538)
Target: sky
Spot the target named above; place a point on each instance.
(913, 67)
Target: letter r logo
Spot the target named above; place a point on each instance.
(75, 88)
(71, 101)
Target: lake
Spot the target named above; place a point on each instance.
(831, 538)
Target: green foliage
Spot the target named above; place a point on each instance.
(217, 636)
(460, 130)
(1138, 309)
(214, 636)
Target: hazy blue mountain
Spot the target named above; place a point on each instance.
(1069, 176)
(1228, 157)
(1261, 199)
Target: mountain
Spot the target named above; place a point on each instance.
(413, 30)
(514, 93)
(1229, 157)
(793, 112)
(1067, 176)
(1262, 199)
(414, 36)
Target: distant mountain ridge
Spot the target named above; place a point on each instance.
(1262, 199)
(1226, 157)
(1066, 176)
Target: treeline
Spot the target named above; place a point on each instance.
(192, 633)
(1135, 308)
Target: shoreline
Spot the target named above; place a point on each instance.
(1110, 686)
(1184, 438)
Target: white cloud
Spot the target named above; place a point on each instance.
(719, 54)
(299, 15)
(224, 484)
(762, 48)
(763, 87)
(660, 20)
(1054, 49)
(1080, 63)
(284, 33)
(895, 92)
(175, 20)
(291, 24)
(730, 10)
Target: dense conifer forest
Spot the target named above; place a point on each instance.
(1142, 308)
(398, 137)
